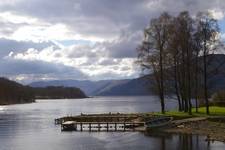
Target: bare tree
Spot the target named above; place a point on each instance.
(172, 51)
(153, 50)
(208, 33)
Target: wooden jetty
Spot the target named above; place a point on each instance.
(101, 126)
(101, 122)
(98, 118)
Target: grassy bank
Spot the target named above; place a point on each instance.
(213, 127)
(214, 111)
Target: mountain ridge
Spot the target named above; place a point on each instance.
(137, 86)
(103, 87)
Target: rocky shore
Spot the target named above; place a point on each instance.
(214, 130)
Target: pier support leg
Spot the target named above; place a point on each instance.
(115, 126)
(107, 127)
(81, 127)
(124, 126)
(99, 127)
(90, 127)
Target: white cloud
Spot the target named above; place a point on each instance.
(36, 31)
(93, 65)
(217, 14)
(16, 19)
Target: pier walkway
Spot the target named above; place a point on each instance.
(101, 126)
(101, 122)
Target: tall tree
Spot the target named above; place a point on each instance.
(173, 49)
(153, 50)
(173, 53)
(208, 33)
(184, 27)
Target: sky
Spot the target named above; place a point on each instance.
(82, 39)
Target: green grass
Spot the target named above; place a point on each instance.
(214, 111)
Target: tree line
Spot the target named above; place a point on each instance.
(12, 92)
(176, 50)
(58, 92)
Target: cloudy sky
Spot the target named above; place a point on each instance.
(81, 39)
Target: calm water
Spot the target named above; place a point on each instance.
(31, 127)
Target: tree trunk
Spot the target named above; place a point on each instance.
(161, 83)
(189, 82)
(196, 83)
(176, 85)
(205, 82)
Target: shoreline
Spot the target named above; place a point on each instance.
(8, 104)
(212, 127)
(214, 130)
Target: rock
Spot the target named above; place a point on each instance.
(180, 126)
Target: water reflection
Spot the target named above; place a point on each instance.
(2, 108)
(31, 127)
(184, 142)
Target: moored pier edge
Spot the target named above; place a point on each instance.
(116, 125)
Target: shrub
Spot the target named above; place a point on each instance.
(219, 98)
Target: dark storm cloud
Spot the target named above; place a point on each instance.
(125, 46)
(7, 46)
(106, 17)
(12, 67)
(119, 23)
(102, 18)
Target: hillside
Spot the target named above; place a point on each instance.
(132, 87)
(54, 92)
(103, 87)
(87, 86)
(138, 86)
(14, 93)
(216, 72)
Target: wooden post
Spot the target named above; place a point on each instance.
(75, 126)
(107, 126)
(115, 126)
(89, 126)
(124, 126)
(98, 126)
(81, 126)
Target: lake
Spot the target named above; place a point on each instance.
(31, 127)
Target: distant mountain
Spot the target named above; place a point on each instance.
(102, 87)
(216, 74)
(89, 87)
(138, 86)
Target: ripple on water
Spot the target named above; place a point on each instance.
(31, 127)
